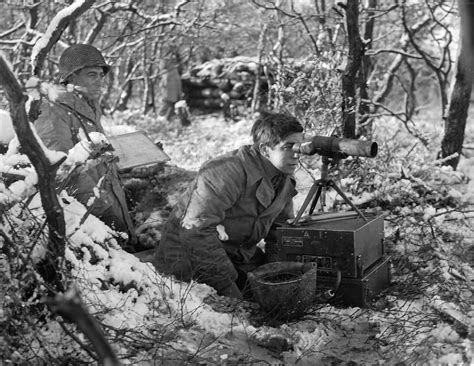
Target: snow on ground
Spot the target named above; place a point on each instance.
(350, 334)
(208, 139)
(167, 319)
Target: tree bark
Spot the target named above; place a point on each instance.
(46, 175)
(127, 87)
(455, 122)
(365, 70)
(349, 75)
(468, 9)
(278, 55)
(256, 90)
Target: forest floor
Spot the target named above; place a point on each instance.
(411, 322)
(425, 315)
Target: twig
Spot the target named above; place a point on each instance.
(78, 341)
(70, 306)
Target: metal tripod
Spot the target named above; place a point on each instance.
(318, 189)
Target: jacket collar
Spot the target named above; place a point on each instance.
(77, 103)
(253, 164)
(256, 172)
(256, 168)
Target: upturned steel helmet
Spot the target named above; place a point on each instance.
(79, 56)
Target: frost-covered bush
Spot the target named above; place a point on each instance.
(138, 308)
(422, 317)
(310, 90)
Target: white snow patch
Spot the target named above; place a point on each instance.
(7, 132)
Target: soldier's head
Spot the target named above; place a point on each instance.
(83, 65)
(274, 135)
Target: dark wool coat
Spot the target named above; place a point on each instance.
(233, 190)
(58, 126)
(171, 85)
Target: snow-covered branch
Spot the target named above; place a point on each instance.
(54, 31)
(46, 171)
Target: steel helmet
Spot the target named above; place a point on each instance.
(79, 56)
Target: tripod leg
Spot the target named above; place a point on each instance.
(348, 201)
(315, 200)
(311, 192)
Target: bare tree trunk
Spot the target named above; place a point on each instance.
(410, 95)
(324, 32)
(350, 73)
(256, 90)
(105, 100)
(365, 123)
(146, 78)
(152, 81)
(278, 51)
(468, 8)
(455, 122)
(127, 88)
(46, 176)
(146, 82)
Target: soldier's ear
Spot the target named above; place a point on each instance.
(263, 148)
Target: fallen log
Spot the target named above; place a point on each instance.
(210, 103)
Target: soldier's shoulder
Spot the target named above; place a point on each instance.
(229, 164)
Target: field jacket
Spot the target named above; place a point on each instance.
(58, 126)
(171, 85)
(235, 191)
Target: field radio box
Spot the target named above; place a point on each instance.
(340, 243)
(357, 291)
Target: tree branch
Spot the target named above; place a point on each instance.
(54, 31)
(46, 173)
(12, 30)
(71, 308)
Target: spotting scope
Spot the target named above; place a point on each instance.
(336, 147)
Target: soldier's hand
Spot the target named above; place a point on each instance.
(94, 149)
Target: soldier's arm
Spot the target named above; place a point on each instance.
(216, 189)
(271, 250)
(54, 127)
